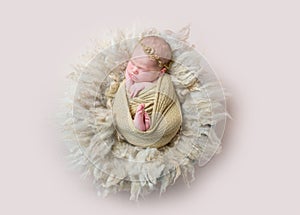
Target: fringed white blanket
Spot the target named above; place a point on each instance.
(113, 163)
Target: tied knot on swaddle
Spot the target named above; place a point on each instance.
(161, 103)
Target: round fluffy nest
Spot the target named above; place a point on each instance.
(116, 165)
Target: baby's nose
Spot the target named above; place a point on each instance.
(135, 70)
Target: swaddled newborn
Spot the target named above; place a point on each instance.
(147, 97)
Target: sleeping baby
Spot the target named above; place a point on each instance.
(146, 108)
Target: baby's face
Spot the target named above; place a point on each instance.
(143, 69)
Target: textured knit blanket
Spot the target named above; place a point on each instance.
(161, 104)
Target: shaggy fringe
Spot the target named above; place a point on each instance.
(116, 165)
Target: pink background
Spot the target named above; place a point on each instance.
(252, 45)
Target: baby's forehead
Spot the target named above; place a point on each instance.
(143, 60)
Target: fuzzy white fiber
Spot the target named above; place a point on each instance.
(116, 165)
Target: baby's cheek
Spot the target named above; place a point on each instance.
(128, 67)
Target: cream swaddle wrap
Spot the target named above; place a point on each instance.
(165, 116)
(146, 97)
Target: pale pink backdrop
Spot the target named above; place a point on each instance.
(252, 45)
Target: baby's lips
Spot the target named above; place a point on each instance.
(129, 74)
(132, 77)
